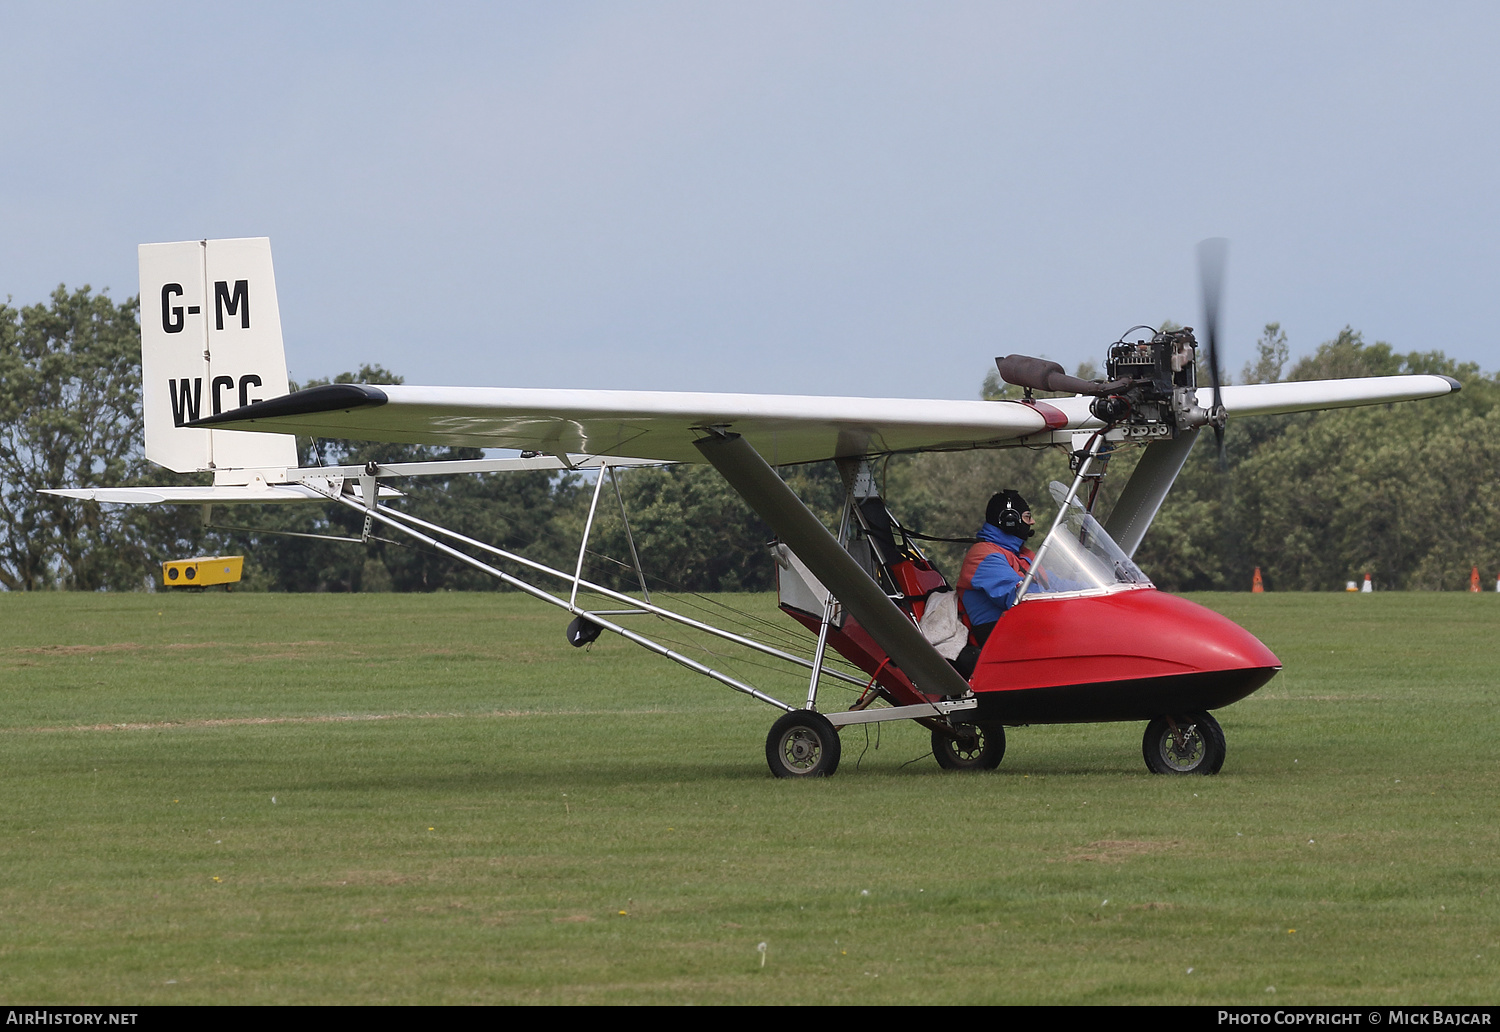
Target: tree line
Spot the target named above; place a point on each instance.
(1404, 492)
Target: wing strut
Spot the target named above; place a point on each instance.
(758, 484)
(1147, 489)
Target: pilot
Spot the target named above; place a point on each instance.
(993, 569)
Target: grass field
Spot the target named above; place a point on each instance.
(433, 799)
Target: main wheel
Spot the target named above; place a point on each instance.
(1200, 749)
(982, 749)
(802, 744)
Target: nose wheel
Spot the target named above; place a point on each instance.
(802, 744)
(1190, 744)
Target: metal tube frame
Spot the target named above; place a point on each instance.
(1095, 443)
(635, 560)
(399, 521)
(544, 596)
(583, 546)
(829, 604)
(939, 709)
(642, 608)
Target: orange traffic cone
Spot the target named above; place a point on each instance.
(1367, 587)
(1256, 587)
(1474, 580)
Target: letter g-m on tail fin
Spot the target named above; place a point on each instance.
(240, 359)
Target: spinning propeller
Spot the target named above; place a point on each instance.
(1212, 254)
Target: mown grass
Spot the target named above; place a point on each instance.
(422, 799)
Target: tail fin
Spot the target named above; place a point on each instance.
(210, 342)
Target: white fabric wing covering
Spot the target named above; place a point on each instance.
(660, 425)
(782, 428)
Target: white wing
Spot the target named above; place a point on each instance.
(1264, 399)
(782, 428)
(1257, 399)
(641, 424)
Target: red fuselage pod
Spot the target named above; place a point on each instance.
(1132, 654)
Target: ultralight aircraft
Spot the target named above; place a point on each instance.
(1087, 639)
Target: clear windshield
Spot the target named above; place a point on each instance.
(1079, 556)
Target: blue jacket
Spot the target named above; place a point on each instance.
(993, 588)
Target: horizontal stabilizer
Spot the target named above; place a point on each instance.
(441, 468)
(261, 493)
(297, 486)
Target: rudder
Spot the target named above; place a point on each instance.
(210, 342)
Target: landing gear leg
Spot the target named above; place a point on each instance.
(1190, 744)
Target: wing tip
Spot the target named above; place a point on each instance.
(1453, 385)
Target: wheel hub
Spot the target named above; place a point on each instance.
(802, 747)
(1184, 750)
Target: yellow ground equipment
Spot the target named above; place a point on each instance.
(203, 571)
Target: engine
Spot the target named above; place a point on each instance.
(1151, 388)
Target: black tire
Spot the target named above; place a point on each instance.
(1202, 751)
(983, 752)
(803, 744)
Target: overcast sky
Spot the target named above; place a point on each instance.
(848, 198)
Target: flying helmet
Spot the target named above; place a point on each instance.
(1005, 511)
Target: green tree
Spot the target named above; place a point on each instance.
(1271, 355)
(70, 417)
(691, 530)
(1318, 498)
(1406, 493)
